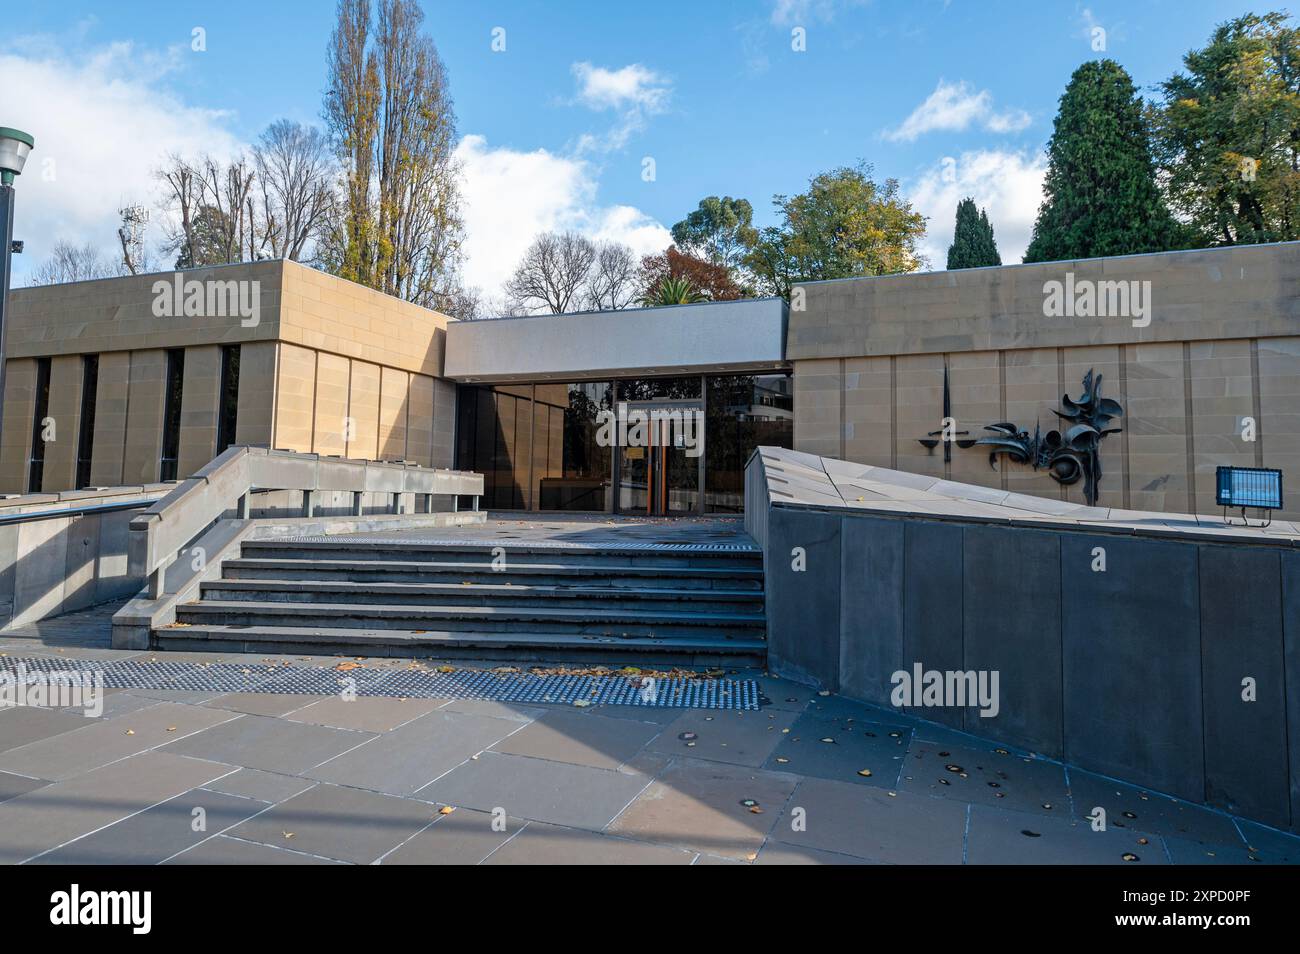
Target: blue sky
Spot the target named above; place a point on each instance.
(951, 98)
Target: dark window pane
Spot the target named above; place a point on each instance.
(86, 437)
(744, 411)
(651, 389)
(571, 469)
(36, 468)
(171, 442)
(228, 411)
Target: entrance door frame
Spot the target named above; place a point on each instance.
(684, 404)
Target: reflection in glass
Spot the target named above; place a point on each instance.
(744, 412)
(571, 470)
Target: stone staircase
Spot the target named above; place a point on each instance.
(638, 605)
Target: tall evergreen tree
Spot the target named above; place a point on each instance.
(972, 239)
(1100, 194)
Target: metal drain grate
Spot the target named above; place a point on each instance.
(407, 683)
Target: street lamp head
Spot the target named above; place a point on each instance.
(15, 146)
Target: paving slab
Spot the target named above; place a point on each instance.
(872, 823)
(55, 814)
(542, 844)
(738, 738)
(700, 805)
(223, 850)
(989, 775)
(157, 833)
(345, 824)
(777, 853)
(267, 787)
(1128, 806)
(1185, 851)
(11, 786)
(271, 744)
(463, 837)
(107, 740)
(998, 837)
(21, 725)
(261, 703)
(366, 713)
(493, 710)
(1270, 845)
(855, 747)
(192, 697)
(784, 694)
(572, 795)
(118, 702)
(580, 739)
(654, 715)
(405, 760)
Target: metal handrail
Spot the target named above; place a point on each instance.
(76, 511)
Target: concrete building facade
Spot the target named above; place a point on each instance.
(1201, 349)
(323, 366)
(1207, 375)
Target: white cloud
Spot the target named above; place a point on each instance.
(102, 122)
(954, 107)
(634, 92)
(1008, 184)
(510, 196)
(803, 12)
(632, 85)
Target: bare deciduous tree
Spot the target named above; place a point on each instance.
(218, 220)
(554, 273)
(615, 278)
(294, 184)
(394, 128)
(72, 263)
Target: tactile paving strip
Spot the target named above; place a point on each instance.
(480, 544)
(415, 683)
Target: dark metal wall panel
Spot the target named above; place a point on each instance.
(1132, 662)
(871, 594)
(1012, 617)
(1241, 638)
(803, 606)
(932, 604)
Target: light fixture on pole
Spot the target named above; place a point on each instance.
(15, 147)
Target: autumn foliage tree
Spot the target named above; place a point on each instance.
(711, 280)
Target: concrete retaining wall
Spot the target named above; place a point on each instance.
(1135, 671)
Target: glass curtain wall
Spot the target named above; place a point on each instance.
(537, 445)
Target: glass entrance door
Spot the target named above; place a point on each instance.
(661, 446)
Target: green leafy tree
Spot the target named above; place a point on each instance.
(845, 226)
(719, 230)
(972, 239)
(1227, 133)
(1100, 192)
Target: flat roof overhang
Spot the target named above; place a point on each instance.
(724, 336)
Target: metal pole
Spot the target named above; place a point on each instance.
(7, 227)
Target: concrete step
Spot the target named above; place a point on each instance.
(484, 594)
(495, 618)
(515, 554)
(409, 571)
(534, 646)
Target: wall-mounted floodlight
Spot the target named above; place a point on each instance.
(1258, 487)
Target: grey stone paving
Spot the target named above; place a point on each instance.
(293, 778)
